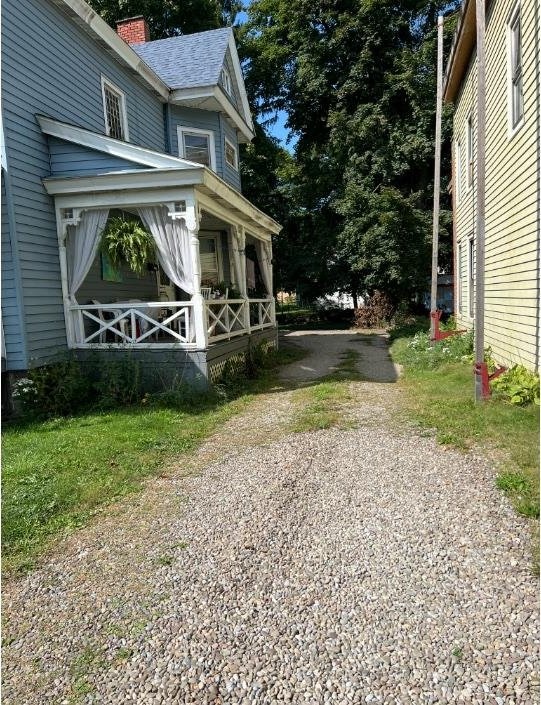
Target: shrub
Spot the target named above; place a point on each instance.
(377, 312)
(420, 353)
(118, 382)
(517, 386)
(58, 389)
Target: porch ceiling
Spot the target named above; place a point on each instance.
(162, 185)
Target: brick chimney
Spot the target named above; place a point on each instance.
(133, 30)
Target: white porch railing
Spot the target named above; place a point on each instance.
(262, 313)
(166, 323)
(138, 323)
(226, 318)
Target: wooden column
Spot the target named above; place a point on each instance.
(192, 219)
(437, 167)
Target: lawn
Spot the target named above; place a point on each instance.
(58, 472)
(441, 398)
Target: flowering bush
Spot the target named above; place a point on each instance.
(421, 353)
(25, 392)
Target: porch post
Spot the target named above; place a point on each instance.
(240, 237)
(199, 312)
(62, 231)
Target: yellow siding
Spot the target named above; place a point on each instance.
(512, 192)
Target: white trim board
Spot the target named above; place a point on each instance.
(197, 131)
(108, 145)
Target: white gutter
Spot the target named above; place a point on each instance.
(142, 179)
(180, 95)
(108, 36)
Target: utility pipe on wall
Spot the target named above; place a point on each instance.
(479, 320)
(437, 170)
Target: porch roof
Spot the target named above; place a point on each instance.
(145, 186)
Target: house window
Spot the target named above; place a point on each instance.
(458, 174)
(209, 255)
(469, 150)
(471, 276)
(114, 111)
(516, 96)
(197, 146)
(460, 277)
(226, 81)
(231, 155)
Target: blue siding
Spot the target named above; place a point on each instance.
(68, 159)
(54, 70)
(132, 286)
(206, 120)
(11, 305)
(232, 176)
(200, 119)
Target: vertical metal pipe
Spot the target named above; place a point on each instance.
(479, 321)
(437, 170)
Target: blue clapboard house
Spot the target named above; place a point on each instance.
(99, 125)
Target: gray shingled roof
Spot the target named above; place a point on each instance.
(189, 60)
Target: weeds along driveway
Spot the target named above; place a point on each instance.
(356, 563)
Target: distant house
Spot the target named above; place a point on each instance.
(96, 125)
(512, 175)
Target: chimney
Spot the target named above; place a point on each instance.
(133, 30)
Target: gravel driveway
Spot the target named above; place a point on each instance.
(366, 565)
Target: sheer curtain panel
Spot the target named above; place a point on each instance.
(172, 239)
(82, 247)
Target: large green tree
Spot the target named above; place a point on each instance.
(168, 18)
(357, 81)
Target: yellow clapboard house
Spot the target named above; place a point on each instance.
(512, 181)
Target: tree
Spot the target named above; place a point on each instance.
(168, 18)
(357, 80)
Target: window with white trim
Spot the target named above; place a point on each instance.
(516, 94)
(471, 276)
(226, 81)
(460, 277)
(197, 145)
(458, 172)
(469, 150)
(231, 155)
(114, 110)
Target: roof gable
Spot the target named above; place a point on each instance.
(189, 60)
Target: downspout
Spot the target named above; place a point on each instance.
(479, 321)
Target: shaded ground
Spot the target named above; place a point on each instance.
(361, 564)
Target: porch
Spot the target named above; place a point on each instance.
(211, 283)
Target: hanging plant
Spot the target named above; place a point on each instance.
(125, 241)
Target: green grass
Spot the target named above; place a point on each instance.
(320, 406)
(58, 473)
(442, 399)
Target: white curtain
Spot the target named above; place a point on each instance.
(237, 263)
(173, 244)
(264, 257)
(82, 247)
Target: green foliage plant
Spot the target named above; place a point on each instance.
(518, 386)
(125, 241)
(59, 389)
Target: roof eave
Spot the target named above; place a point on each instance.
(91, 22)
(180, 95)
(461, 51)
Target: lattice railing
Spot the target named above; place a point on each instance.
(134, 323)
(262, 313)
(225, 318)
